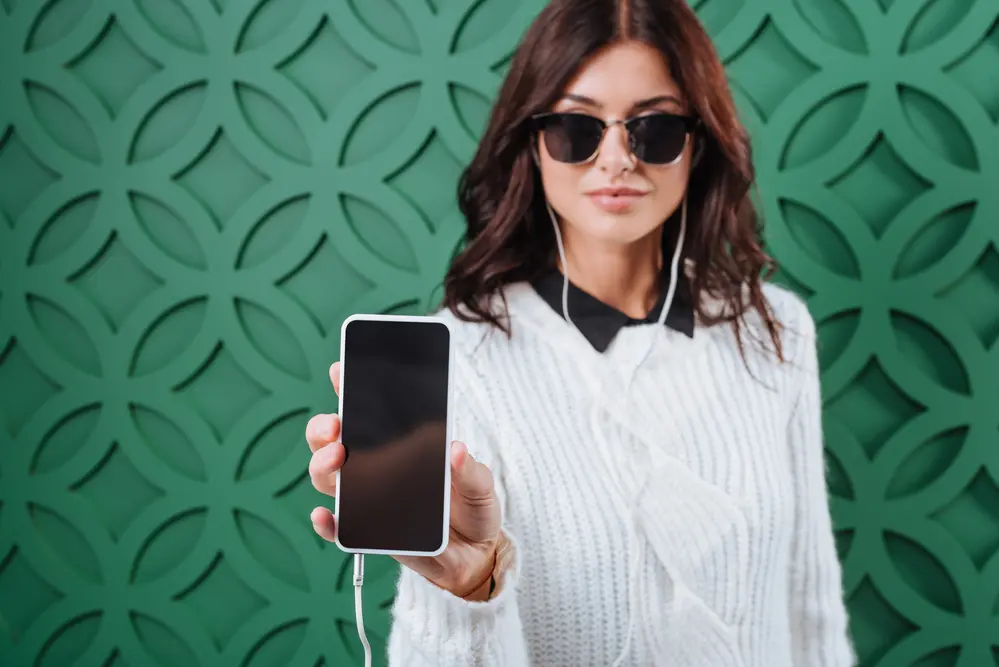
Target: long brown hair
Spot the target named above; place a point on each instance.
(510, 237)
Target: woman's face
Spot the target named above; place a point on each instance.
(620, 82)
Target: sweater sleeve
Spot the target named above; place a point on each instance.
(433, 628)
(819, 627)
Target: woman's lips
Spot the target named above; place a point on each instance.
(615, 201)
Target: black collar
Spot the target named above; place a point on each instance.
(600, 322)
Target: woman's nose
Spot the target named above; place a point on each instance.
(615, 150)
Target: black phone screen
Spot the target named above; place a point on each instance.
(393, 407)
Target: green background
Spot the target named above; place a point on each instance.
(195, 193)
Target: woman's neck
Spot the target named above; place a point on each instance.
(627, 277)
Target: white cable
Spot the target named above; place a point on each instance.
(637, 552)
(565, 266)
(637, 562)
(358, 581)
(674, 265)
(673, 269)
(670, 292)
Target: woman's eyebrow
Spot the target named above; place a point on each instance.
(653, 101)
(637, 106)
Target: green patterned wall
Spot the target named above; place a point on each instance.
(194, 193)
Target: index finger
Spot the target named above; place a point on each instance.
(335, 376)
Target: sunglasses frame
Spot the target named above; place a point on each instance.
(691, 125)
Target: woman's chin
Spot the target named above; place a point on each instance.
(619, 229)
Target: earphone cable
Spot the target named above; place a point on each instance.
(635, 548)
(358, 610)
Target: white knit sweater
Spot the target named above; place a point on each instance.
(661, 482)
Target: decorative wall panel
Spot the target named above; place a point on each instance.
(194, 193)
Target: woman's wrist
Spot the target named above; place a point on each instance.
(492, 584)
(483, 584)
(483, 591)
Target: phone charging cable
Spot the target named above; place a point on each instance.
(358, 582)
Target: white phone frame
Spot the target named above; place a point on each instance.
(445, 527)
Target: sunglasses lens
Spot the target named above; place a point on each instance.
(657, 138)
(572, 137)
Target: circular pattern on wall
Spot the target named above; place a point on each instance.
(194, 193)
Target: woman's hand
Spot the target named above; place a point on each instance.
(465, 566)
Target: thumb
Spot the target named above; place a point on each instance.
(471, 480)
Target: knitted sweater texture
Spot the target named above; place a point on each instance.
(669, 493)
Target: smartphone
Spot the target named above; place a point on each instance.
(393, 491)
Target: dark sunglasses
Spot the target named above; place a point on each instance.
(574, 138)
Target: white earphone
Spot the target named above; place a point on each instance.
(671, 292)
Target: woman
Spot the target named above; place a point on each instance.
(639, 477)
